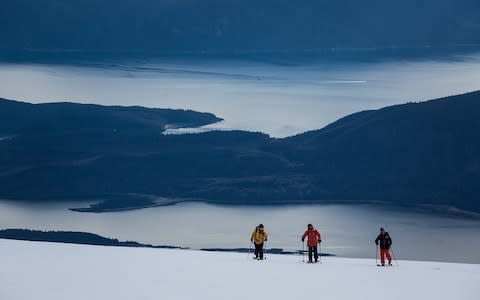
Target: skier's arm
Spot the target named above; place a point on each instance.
(266, 235)
(304, 235)
(377, 239)
(252, 236)
(319, 237)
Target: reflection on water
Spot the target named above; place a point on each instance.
(347, 230)
(280, 100)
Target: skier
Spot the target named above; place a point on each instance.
(385, 243)
(258, 237)
(313, 239)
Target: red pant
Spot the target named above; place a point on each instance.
(383, 253)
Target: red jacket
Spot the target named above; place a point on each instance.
(313, 236)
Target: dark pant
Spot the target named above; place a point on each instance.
(259, 250)
(312, 251)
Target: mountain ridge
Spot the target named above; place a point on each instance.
(215, 26)
(414, 153)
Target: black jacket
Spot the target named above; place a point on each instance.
(385, 240)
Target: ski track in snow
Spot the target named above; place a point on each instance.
(51, 271)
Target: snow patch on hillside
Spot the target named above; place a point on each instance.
(51, 271)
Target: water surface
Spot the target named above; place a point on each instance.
(280, 100)
(347, 230)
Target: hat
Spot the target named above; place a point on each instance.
(261, 225)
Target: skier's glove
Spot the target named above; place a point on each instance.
(319, 241)
(303, 239)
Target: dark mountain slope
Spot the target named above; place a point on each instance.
(233, 26)
(25, 118)
(416, 153)
(428, 151)
(71, 151)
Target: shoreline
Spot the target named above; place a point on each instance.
(97, 240)
(245, 251)
(444, 210)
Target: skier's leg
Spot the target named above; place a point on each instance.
(310, 253)
(382, 256)
(260, 249)
(315, 253)
(256, 250)
(387, 253)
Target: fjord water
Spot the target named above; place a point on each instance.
(280, 99)
(347, 230)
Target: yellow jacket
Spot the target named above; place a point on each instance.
(259, 236)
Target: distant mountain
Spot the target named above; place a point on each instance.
(25, 118)
(416, 153)
(234, 26)
(427, 151)
(71, 237)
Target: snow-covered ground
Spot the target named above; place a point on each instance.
(50, 271)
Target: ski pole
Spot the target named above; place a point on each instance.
(320, 251)
(250, 250)
(265, 250)
(303, 251)
(393, 254)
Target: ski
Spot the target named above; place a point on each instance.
(391, 265)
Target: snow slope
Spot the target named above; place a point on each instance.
(49, 271)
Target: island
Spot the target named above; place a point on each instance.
(72, 237)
